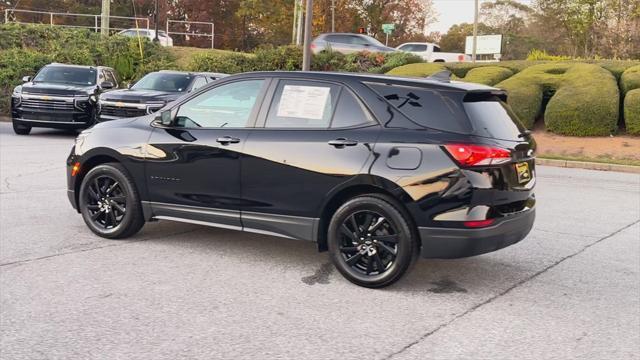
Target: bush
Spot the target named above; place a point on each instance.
(630, 79)
(224, 63)
(632, 111)
(537, 55)
(14, 64)
(584, 98)
(418, 70)
(328, 61)
(287, 58)
(488, 75)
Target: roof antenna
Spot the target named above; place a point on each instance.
(443, 75)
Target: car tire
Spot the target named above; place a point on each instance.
(109, 202)
(379, 256)
(21, 129)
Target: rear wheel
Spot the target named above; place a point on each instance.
(109, 202)
(370, 241)
(21, 129)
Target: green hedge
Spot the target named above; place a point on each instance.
(584, 98)
(488, 75)
(630, 86)
(289, 58)
(630, 79)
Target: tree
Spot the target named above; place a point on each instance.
(454, 40)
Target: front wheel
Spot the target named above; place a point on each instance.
(370, 241)
(109, 202)
(21, 129)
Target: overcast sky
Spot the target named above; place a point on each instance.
(452, 12)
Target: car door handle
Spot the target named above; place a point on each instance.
(226, 140)
(342, 142)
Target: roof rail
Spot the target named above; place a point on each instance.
(443, 75)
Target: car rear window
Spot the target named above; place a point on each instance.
(493, 118)
(435, 109)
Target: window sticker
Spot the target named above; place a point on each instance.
(305, 102)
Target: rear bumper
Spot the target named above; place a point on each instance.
(448, 243)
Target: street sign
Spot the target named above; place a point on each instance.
(487, 44)
(388, 28)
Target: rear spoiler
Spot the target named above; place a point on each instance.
(443, 76)
(485, 95)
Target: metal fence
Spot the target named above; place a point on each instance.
(86, 21)
(188, 25)
(93, 21)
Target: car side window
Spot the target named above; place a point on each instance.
(350, 112)
(302, 104)
(108, 76)
(199, 82)
(229, 105)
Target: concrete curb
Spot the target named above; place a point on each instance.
(588, 165)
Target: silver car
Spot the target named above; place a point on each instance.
(347, 43)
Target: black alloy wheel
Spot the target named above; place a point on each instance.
(106, 202)
(109, 202)
(368, 242)
(371, 241)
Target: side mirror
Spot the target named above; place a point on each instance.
(107, 85)
(26, 79)
(165, 118)
(129, 85)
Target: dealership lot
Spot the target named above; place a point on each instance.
(570, 290)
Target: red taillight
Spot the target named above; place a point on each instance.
(476, 155)
(461, 58)
(479, 223)
(75, 169)
(313, 46)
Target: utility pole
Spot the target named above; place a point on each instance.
(333, 16)
(475, 32)
(295, 17)
(155, 39)
(300, 17)
(306, 54)
(104, 18)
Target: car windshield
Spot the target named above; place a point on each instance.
(66, 75)
(164, 82)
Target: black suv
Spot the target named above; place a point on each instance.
(151, 93)
(60, 96)
(374, 169)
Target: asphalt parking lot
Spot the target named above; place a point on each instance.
(571, 289)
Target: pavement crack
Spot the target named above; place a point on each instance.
(115, 243)
(505, 292)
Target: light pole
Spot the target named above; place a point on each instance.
(155, 39)
(306, 53)
(104, 18)
(333, 16)
(475, 32)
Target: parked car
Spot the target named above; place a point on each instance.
(60, 96)
(163, 38)
(347, 43)
(374, 169)
(431, 52)
(151, 93)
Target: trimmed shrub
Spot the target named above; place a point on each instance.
(632, 111)
(418, 70)
(14, 64)
(224, 63)
(488, 75)
(328, 61)
(630, 79)
(584, 98)
(536, 55)
(278, 58)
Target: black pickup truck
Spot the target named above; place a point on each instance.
(60, 96)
